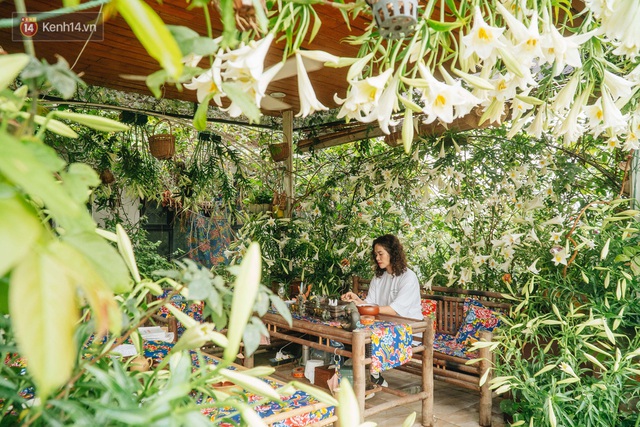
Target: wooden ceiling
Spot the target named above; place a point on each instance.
(103, 63)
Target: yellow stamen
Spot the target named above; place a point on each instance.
(484, 35)
(440, 101)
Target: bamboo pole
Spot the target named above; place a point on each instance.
(427, 375)
(485, 392)
(359, 372)
(287, 131)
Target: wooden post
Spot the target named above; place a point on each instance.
(359, 372)
(485, 393)
(427, 374)
(287, 132)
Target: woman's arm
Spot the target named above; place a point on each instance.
(351, 297)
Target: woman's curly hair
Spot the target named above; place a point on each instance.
(396, 254)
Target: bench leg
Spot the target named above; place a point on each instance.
(427, 376)
(485, 392)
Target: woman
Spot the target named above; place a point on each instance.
(395, 288)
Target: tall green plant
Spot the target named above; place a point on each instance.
(570, 352)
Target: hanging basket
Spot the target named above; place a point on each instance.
(395, 19)
(279, 152)
(162, 145)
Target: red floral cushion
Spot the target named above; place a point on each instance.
(429, 307)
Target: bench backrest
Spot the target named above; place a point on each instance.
(450, 303)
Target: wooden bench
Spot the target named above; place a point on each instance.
(449, 316)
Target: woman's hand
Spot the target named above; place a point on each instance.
(351, 297)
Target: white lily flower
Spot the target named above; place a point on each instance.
(363, 96)
(207, 83)
(595, 116)
(538, 125)
(386, 106)
(527, 40)
(564, 367)
(440, 98)
(532, 268)
(558, 220)
(247, 60)
(620, 25)
(256, 88)
(570, 129)
(612, 116)
(559, 50)
(483, 40)
(611, 144)
(565, 96)
(191, 59)
(619, 87)
(309, 103)
(560, 257)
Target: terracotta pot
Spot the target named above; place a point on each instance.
(368, 309)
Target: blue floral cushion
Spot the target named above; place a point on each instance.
(477, 318)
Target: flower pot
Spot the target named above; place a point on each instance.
(395, 19)
(162, 145)
(279, 152)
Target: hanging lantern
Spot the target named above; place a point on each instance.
(395, 19)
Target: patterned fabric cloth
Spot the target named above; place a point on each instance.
(390, 345)
(228, 416)
(447, 344)
(193, 310)
(390, 342)
(208, 238)
(429, 308)
(477, 318)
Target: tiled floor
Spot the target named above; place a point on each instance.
(453, 406)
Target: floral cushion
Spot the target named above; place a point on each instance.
(193, 309)
(445, 343)
(429, 307)
(477, 318)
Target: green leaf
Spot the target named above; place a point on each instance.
(20, 227)
(244, 295)
(21, 166)
(44, 315)
(318, 393)
(100, 123)
(62, 78)
(53, 125)
(249, 383)
(190, 41)
(200, 118)
(126, 251)
(78, 181)
(228, 19)
(104, 258)
(106, 313)
(155, 81)
(11, 66)
(153, 34)
(408, 422)
(245, 102)
(444, 27)
(349, 415)
(4, 295)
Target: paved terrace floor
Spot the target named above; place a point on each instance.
(453, 406)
